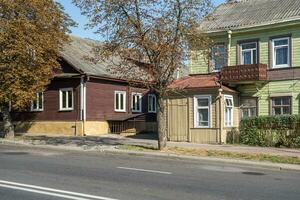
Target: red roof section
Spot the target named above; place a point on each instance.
(203, 81)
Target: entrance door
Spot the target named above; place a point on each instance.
(178, 120)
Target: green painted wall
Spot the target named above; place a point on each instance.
(260, 90)
(200, 65)
(264, 91)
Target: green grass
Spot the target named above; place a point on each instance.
(215, 153)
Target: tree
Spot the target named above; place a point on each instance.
(151, 35)
(31, 33)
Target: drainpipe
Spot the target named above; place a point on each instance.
(83, 103)
(229, 32)
(220, 114)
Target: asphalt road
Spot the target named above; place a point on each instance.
(28, 173)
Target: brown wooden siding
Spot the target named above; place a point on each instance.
(284, 73)
(100, 99)
(51, 103)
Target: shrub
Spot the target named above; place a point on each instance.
(271, 131)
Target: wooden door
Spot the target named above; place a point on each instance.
(178, 119)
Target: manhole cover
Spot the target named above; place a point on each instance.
(253, 173)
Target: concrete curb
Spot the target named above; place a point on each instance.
(113, 149)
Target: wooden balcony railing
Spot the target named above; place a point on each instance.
(239, 73)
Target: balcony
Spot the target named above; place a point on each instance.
(244, 73)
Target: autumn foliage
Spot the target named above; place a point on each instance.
(31, 34)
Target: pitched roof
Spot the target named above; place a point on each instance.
(240, 14)
(203, 81)
(76, 53)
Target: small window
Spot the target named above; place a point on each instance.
(218, 57)
(66, 99)
(248, 53)
(281, 105)
(120, 101)
(248, 107)
(202, 110)
(38, 103)
(151, 103)
(281, 52)
(228, 110)
(136, 102)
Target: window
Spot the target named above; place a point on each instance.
(136, 102)
(248, 107)
(218, 57)
(228, 110)
(248, 53)
(281, 52)
(281, 105)
(38, 103)
(120, 101)
(202, 111)
(152, 103)
(66, 99)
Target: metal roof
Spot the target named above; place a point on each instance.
(241, 14)
(76, 53)
(200, 81)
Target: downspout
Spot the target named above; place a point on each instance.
(220, 114)
(83, 103)
(229, 32)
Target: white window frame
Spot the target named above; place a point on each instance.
(32, 109)
(196, 107)
(247, 50)
(150, 109)
(229, 97)
(119, 103)
(274, 52)
(133, 100)
(68, 108)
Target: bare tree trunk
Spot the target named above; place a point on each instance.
(161, 121)
(7, 122)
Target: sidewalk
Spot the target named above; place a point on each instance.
(113, 140)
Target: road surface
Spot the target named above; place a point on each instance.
(29, 173)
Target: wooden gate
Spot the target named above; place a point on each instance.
(178, 120)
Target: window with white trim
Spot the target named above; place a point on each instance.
(248, 53)
(202, 111)
(151, 103)
(281, 52)
(228, 114)
(120, 101)
(38, 103)
(66, 100)
(136, 102)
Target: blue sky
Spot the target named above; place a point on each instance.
(74, 12)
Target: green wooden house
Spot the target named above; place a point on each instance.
(256, 53)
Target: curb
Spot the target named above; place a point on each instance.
(107, 149)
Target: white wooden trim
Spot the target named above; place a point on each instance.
(274, 52)
(124, 101)
(232, 110)
(37, 109)
(196, 97)
(67, 99)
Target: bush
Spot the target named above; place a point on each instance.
(271, 131)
